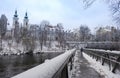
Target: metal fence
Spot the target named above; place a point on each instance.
(104, 45)
(111, 58)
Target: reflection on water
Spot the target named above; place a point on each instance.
(12, 65)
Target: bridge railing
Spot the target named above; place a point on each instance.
(112, 58)
(54, 68)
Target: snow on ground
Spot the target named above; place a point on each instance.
(19, 48)
(103, 70)
(47, 69)
(53, 48)
(72, 72)
(75, 71)
(10, 50)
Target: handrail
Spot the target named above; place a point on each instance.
(105, 58)
(61, 68)
(117, 53)
(48, 69)
(105, 55)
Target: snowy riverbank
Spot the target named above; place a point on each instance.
(17, 49)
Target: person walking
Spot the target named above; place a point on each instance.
(81, 51)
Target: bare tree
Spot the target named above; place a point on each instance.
(98, 35)
(107, 34)
(17, 33)
(116, 34)
(84, 32)
(60, 33)
(88, 3)
(114, 6)
(28, 40)
(25, 38)
(43, 33)
(9, 39)
(44, 24)
(3, 28)
(41, 37)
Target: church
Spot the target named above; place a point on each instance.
(17, 30)
(16, 26)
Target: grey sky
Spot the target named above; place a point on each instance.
(68, 12)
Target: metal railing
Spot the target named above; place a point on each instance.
(112, 58)
(63, 70)
(54, 68)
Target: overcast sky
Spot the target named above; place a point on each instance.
(68, 12)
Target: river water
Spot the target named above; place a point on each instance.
(14, 64)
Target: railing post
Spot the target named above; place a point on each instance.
(116, 64)
(103, 60)
(64, 73)
(71, 63)
(108, 56)
(96, 58)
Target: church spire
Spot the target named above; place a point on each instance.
(15, 14)
(26, 17)
(26, 20)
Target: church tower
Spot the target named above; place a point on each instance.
(15, 28)
(15, 19)
(26, 20)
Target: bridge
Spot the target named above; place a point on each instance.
(77, 44)
(60, 66)
(54, 68)
(111, 58)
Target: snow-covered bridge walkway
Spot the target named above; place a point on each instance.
(87, 67)
(82, 68)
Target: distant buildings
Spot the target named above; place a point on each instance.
(52, 32)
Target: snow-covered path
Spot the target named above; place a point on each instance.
(82, 68)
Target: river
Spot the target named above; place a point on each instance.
(15, 64)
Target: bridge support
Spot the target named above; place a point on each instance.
(64, 73)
